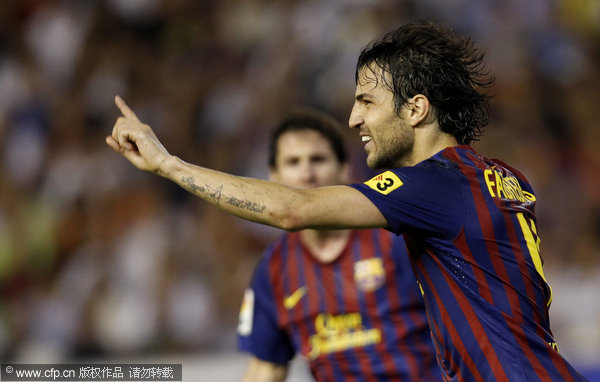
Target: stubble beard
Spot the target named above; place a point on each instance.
(392, 153)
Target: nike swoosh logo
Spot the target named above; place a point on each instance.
(290, 301)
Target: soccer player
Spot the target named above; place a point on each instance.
(469, 221)
(346, 300)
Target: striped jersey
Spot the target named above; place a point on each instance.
(358, 318)
(470, 228)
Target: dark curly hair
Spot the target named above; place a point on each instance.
(309, 119)
(429, 59)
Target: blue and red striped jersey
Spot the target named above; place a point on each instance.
(469, 224)
(358, 318)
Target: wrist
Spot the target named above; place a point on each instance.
(168, 166)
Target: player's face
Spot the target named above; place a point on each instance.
(305, 159)
(388, 138)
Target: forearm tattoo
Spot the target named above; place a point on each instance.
(216, 196)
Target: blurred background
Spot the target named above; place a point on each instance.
(100, 261)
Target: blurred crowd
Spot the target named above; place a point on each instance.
(100, 260)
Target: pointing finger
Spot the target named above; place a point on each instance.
(125, 110)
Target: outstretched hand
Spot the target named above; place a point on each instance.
(136, 141)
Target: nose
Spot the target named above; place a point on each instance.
(307, 174)
(356, 119)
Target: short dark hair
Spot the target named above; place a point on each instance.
(309, 119)
(429, 59)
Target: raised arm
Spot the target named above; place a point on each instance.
(256, 200)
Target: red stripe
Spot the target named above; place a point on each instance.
(449, 326)
(350, 292)
(293, 275)
(275, 271)
(313, 294)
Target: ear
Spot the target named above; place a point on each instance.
(418, 109)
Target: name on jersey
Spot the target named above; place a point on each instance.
(341, 332)
(384, 183)
(506, 187)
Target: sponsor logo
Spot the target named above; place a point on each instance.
(369, 274)
(290, 301)
(384, 183)
(336, 333)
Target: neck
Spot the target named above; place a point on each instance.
(325, 246)
(429, 142)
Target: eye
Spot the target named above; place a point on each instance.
(318, 159)
(292, 161)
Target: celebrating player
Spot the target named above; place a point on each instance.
(469, 222)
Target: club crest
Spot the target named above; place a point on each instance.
(369, 274)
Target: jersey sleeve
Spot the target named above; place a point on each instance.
(258, 332)
(426, 197)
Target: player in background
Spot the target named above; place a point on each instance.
(468, 221)
(346, 300)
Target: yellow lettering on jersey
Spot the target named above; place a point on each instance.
(499, 185)
(505, 187)
(384, 183)
(533, 246)
(489, 182)
(336, 333)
